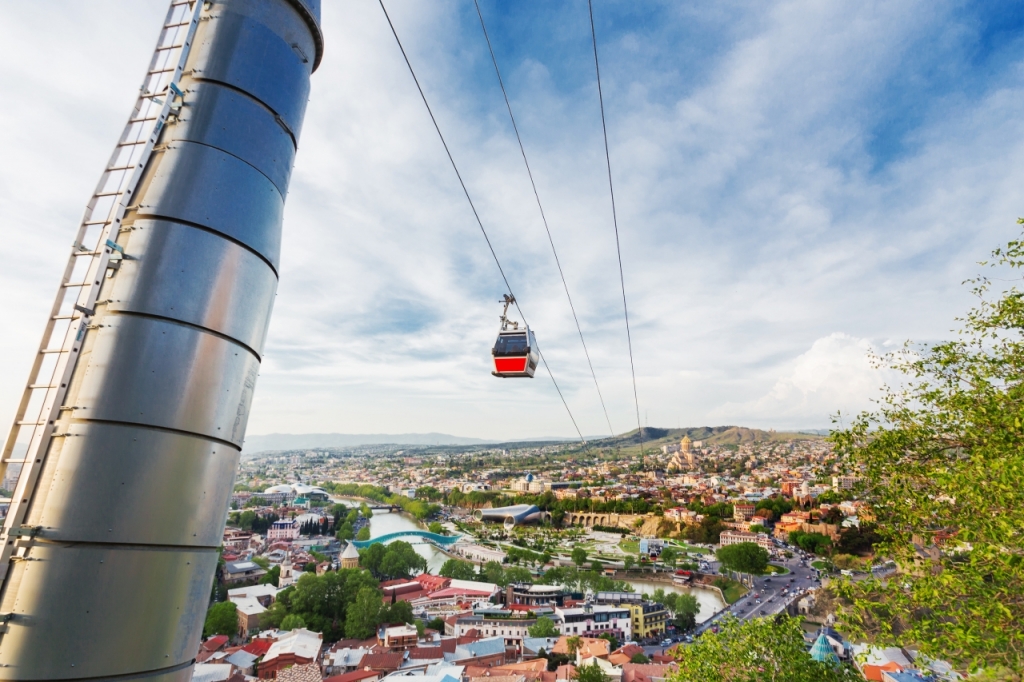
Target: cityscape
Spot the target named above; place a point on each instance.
(401, 431)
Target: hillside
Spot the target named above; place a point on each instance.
(654, 438)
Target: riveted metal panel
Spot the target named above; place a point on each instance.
(220, 117)
(199, 184)
(134, 485)
(143, 609)
(148, 371)
(261, 47)
(188, 274)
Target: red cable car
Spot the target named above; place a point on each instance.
(515, 352)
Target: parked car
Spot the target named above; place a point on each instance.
(666, 642)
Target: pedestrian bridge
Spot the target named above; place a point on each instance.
(442, 541)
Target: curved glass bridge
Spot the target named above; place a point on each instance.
(442, 541)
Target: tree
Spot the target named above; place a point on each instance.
(272, 577)
(744, 557)
(291, 622)
(458, 569)
(399, 612)
(544, 627)
(628, 563)
(573, 644)
(364, 534)
(516, 574)
(401, 561)
(436, 624)
(364, 614)
(640, 658)
(613, 641)
(589, 673)
(752, 651)
(579, 555)
(494, 573)
(941, 456)
(686, 607)
(436, 528)
(221, 619)
(669, 555)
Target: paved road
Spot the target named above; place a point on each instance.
(767, 598)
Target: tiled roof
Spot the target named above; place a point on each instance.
(215, 642)
(426, 652)
(354, 676)
(310, 672)
(390, 661)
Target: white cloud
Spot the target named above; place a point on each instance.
(835, 375)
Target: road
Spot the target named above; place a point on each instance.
(766, 597)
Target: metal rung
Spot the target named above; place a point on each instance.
(106, 194)
(45, 351)
(86, 253)
(63, 317)
(129, 144)
(71, 285)
(16, 461)
(96, 222)
(156, 71)
(170, 47)
(120, 168)
(143, 120)
(34, 386)
(30, 423)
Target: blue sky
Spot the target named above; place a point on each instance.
(799, 184)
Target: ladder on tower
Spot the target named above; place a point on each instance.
(94, 253)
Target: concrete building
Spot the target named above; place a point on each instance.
(593, 620)
(284, 529)
(735, 537)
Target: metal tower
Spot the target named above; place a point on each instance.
(138, 397)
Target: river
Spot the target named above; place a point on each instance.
(384, 522)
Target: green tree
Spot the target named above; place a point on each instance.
(669, 555)
(628, 563)
(436, 528)
(590, 672)
(401, 561)
(272, 577)
(744, 557)
(365, 614)
(458, 569)
(399, 612)
(436, 624)
(613, 641)
(494, 572)
(573, 644)
(944, 455)
(516, 574)
(579, 555)
(755, 650)
(364, 534)
(221, 619)
(640, 658)
(544, 627)
(292, 621)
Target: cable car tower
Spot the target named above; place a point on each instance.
(138, 396)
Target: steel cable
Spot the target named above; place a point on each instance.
(476, 215)
(543, 217)
(615, 222)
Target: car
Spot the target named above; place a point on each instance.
(761, 612)
(666, 642)
(758, 601)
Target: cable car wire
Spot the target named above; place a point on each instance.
(615, 222)
(476, 215)
(543, 217)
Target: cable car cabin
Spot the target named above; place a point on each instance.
(515, 353)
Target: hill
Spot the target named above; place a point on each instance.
(654, 438)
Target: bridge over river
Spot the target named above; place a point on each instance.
(441, 541)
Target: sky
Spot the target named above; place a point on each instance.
(799, 184)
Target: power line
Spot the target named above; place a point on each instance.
(615, 222)
(543, 217)
(476, 215)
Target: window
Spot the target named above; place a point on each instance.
(511, 344)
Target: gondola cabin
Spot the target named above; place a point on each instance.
(515, 353)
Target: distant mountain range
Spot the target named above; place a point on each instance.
(717, 435)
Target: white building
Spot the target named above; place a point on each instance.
(593, 620)
(735, 537)
(285, 529)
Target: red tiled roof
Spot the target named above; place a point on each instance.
(258, 647)
(426, 652)
(387, 662)
(448, 645)
(459, 592)
(215, 642)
